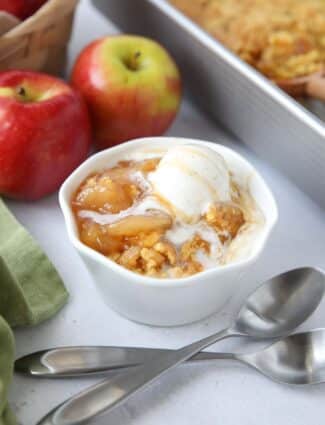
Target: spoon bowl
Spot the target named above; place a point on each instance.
(281, 304)
(297, 359)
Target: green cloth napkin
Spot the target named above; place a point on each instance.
(6, 370)
(31, 290)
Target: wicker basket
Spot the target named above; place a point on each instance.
(40, 42)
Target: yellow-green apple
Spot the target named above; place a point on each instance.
(22, 9)
(44, 133)
(132, 87)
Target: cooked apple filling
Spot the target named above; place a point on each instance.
(119, 216)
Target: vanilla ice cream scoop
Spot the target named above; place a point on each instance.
(189, 178)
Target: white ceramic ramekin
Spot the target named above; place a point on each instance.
(166, 302)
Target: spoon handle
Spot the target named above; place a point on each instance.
(67, 362)
(110, 393)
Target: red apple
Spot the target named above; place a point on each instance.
(22, 9)
(32, 6)
(131, 85)
(44, 133)
(15, 7)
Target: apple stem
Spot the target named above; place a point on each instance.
(133, 63)
(21, 91)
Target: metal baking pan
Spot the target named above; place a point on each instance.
(275, 126)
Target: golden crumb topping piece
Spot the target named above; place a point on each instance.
(226, 219)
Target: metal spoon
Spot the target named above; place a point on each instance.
(281, 361)
(296, 360)
(275, 309)
(110, 393)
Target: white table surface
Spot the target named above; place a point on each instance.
(219, 393)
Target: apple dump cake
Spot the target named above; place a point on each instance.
(283, 39)
(171, 215)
